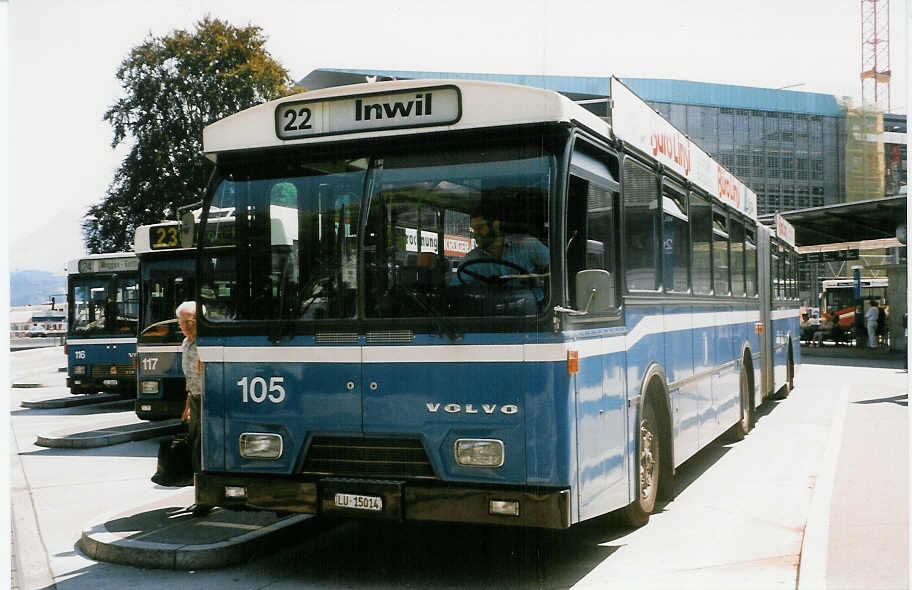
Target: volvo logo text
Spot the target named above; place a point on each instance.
(452, 408)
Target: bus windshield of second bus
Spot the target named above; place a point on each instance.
(421, 255)
(107, 305)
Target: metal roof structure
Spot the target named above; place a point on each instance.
(857, 221)
(580, 87)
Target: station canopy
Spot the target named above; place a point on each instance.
(857, 221)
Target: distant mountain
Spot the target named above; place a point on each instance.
(31, 287)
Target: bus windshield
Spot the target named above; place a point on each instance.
(447, 232)
(166, 283)
(104, 306)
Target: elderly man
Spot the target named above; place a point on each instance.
(186, 317)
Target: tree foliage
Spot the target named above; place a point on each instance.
(173, 87)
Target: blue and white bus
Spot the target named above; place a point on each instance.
(167, 271)
(476, 302)
(103, 308)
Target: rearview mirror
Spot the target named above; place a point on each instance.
(595, 291)
(188, 224)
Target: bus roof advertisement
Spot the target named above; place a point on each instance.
(785, 230)
(418, 107)
(635, 122)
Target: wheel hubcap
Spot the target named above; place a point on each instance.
(648, 461)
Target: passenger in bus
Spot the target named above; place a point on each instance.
(492, 242)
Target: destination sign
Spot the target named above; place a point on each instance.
(108, 264)
(164, 236)
(416, 107)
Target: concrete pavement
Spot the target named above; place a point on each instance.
(744, 516)
(857, 534)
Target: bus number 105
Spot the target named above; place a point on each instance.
(256, 390)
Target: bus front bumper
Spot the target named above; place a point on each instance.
(387, 499)
(158, 409)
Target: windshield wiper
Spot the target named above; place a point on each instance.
(444, 325)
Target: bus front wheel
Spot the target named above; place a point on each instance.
(649, 464)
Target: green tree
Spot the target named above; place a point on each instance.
(174, 86)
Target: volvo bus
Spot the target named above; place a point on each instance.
(167, 270)
(103, 308)
(476, 302)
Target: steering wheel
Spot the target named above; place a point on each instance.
(463, 268)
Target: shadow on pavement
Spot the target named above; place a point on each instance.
(137, 448)
(900, 400)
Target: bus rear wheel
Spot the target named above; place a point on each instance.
(744, 425)
(789, 375)
(649, 464)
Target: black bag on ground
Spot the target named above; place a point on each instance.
(175, 463)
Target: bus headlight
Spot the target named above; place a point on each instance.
(260, 445)
(148, 387)
(79, 369)
(479, 452)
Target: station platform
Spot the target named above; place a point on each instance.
(71, 401)
(124, 429)
(164, 534)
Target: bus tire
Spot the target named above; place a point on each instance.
(746, 422)
(648, 468)
(789, 375)
(790, 370)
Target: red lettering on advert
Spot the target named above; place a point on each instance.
(728, 188)
(673, 147)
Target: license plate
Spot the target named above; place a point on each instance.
(110, 381)
(145, 408)
(358, 502)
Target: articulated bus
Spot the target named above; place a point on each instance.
(103, 307)
(476, 302)
(167, 269)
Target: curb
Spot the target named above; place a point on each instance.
(109, 436)
(100, 544)
(33, 569)
(812, 564)
(69, 402)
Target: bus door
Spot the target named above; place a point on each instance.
(599, 384)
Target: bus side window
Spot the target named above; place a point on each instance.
(591, 231)
(750, 254)
(736, 227)
(675, 240)
(701, 224)
(640, 226)
(721, 285)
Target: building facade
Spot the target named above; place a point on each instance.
(788, 146)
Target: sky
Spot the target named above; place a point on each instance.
(63, 54)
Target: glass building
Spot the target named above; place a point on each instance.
(788, 146)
